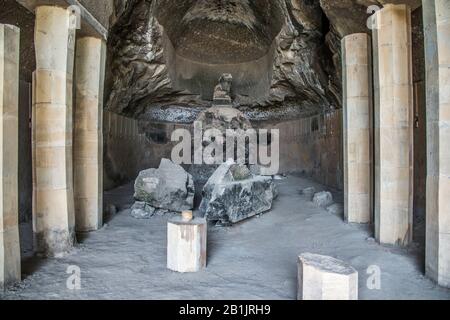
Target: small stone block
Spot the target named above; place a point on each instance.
(186, 244)
(326, 278)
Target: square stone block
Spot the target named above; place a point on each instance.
(186, 244)
(326, 278)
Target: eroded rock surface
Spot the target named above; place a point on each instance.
(169, 187)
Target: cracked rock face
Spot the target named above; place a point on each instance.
(233, 194)
(170, 54)
(284, 55)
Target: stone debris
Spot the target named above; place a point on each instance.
(323, 199)
(159, 191)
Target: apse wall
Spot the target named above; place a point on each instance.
(309, 146)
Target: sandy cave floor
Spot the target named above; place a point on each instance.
(256, 259)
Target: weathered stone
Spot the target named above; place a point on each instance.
(323, 199)
(141, 210)
(186, 244)
(222, 119)
(288, 45)
(357, 127)
(394, 125)
(168, 187)
(9, 153)
(437, 44)
(326, 278)
(259, 170)
(88, 134)
(53, 208)
(230, 200)
(310, 191)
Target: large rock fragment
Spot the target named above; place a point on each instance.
(233, 194)
(168, 187)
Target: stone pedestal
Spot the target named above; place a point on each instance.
(53, 216)
(9, 106)
(394, 115)
(437, 52)
(326, 278)
(186, 244)
(357, 90)
(88, 134)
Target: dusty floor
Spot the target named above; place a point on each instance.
(253, 260)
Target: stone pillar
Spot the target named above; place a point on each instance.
(9, 133)
(437, 55)
(88, 134)
(53, 218)
(393, 115)
(357, 89)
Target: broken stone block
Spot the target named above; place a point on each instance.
(168, 187)
(259, 170)
(336, 209)
(186, 244)
(308, 192)
(228, 198)
(141, 210)
(326, 278)
(323, 199)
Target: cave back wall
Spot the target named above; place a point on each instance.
(166, 56)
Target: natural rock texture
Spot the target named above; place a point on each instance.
(326, 278)
(336, 209)
(168, 187)
(277, 43)
(232, 194)
(309, 192)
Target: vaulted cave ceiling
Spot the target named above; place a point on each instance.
(166, 56)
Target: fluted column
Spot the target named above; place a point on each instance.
(357, 89)
(53, 218)
(9, 133)
(393, 125)
(88, 135)
(437, 55)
